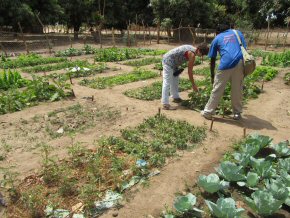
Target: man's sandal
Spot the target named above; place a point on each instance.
(177, 100)
(168, 107)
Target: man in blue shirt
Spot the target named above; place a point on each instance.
(230, 69)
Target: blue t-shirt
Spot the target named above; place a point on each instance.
(227, 44)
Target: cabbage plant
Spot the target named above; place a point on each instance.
(242, 159)
(252, 180)
(263, 202)
(211, 183)
(282, 149)
(262, 140)
(186, 203)
(224, 208)
(263, 167)
(231, 172)
(284, 164)
(278, 189)
(285, 177)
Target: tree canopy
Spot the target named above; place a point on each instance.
(118, 13)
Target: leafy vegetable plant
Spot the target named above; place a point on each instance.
(251, 180)
(211, 183)
(282, 149)
(9, 79)
(143, 62)
(28, 60)
(263, 167)
(154, 90)
(231, 172)
(105, 82)
(225, 208)
(263, 202)
(58, 66)
(185, 203)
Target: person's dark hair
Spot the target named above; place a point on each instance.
(222, 27)
(203, 48)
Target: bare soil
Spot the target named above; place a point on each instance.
(23, 131)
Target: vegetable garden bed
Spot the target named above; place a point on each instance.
(37, 90)
(105, 82)
(154, 91)
(115, 164)
(28, 60)
(11, 79)
(121, 54)
(256, 175)
(273, 58)
(58, 66)
(143, 62)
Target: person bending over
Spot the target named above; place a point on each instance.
(172, 61)
(231, 69)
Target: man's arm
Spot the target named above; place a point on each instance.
(212, 68)
(191, 60)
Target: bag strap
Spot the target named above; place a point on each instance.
(239, 39)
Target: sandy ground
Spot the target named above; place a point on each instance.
(269, 115)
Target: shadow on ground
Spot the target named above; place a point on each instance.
(248, 121)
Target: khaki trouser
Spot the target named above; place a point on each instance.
(236, 76)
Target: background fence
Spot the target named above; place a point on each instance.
(56, 36)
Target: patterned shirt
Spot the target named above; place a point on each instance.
(177, 56)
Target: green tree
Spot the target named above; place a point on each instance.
(77, 12)
(186, 12)
(14, 11)
(120, 12)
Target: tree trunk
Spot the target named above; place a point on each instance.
(169, 32)
(284, 43)
(76, 32)
(158, 32)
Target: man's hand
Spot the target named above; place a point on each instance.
(194, 87)
(212, 68)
